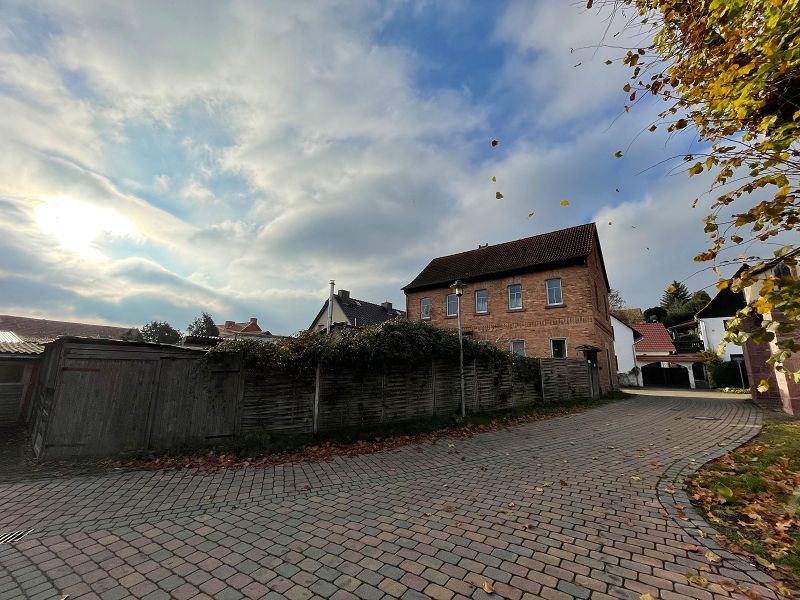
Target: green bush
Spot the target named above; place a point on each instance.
(391, 342)
(726, 374)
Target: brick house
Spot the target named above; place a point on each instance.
(545, 295)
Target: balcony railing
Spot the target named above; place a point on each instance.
(688, 346)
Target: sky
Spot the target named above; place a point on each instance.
(162, 159)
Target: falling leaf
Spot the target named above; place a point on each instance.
(589, 3)
(495, 142)
(618, 154)
(763, 386)
(499, 196)
(697, 580)
(578, 65)
(488, 587)
(494, 179)
(608, 62)
(616, 190)
(713, 557)
(530, 215)
(564, 203)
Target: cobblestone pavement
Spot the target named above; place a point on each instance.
(571, 507)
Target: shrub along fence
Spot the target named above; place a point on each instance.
(101, 397)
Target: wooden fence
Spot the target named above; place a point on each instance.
(101, 397)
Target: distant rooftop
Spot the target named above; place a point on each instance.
(44, 330)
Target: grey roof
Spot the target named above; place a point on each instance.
(361, 312)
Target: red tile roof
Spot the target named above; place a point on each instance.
(537, 253)
(38, 330)
(655, 338)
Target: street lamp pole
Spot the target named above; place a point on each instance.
(458, 290)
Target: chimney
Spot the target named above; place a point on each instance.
(343, 295)
(229, 324)
(254, 320)
(387, 306)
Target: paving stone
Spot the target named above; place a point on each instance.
(416, 522)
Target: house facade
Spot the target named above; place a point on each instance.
(783, 392)
(350, 312)
(625, 337)
(544, 296)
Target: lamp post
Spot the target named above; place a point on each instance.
(458, 290)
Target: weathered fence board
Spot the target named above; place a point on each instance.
(101, 397)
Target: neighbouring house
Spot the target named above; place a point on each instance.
(625, 338)
(21, 346)
(783, 392)
(231, 330)
(19, 361)
(44, 330)
(629, 315)
(709, 325)
(349, 312)
(544, 296)
(661, 364)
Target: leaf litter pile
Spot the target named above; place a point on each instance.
(753, 496)
(268, 456)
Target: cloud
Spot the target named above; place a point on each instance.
(235, 157)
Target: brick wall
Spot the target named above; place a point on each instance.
(583, 318)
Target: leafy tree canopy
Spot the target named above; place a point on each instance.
(655, 313)
(161, 332)
(731, 69)
(203, 325)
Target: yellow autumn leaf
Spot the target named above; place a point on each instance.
(697, 580)
(765, 563)
(499, 196)
(564, 203)
(713, 557)
(636, 478)
(763, 386)
(646, 597)
(494, 179)
(763, 306)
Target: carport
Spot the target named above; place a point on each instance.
(672, 370)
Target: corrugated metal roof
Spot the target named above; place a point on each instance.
(20, 348)
(9, 336)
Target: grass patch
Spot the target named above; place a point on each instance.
(753, 496)
(266, 449)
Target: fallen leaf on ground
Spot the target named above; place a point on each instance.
(512, 505)
(692, 548)
(636, 478)
(563, 483)
(697, 580)
(765, 563)
(646, 597)
(713, 557)
(488, 587)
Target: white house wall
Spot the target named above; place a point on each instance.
(626, 355)
(712, 330)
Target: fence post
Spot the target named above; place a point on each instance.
(315, 413)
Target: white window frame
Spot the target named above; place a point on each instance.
(524, 349)
(520, 297)
(553, 354)
(447, 305)
(560, 292)
(481, 312)
(422, 314)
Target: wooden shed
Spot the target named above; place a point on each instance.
(99, 397)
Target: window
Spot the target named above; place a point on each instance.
(554, 295)
(425, 308)
(518, 347)
(515, 296)
(481, 301)
(452, 305)
(558, 348)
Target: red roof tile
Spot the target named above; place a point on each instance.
(655, 338)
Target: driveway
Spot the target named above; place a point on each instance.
(571, 507)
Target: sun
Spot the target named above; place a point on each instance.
(77, 225)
